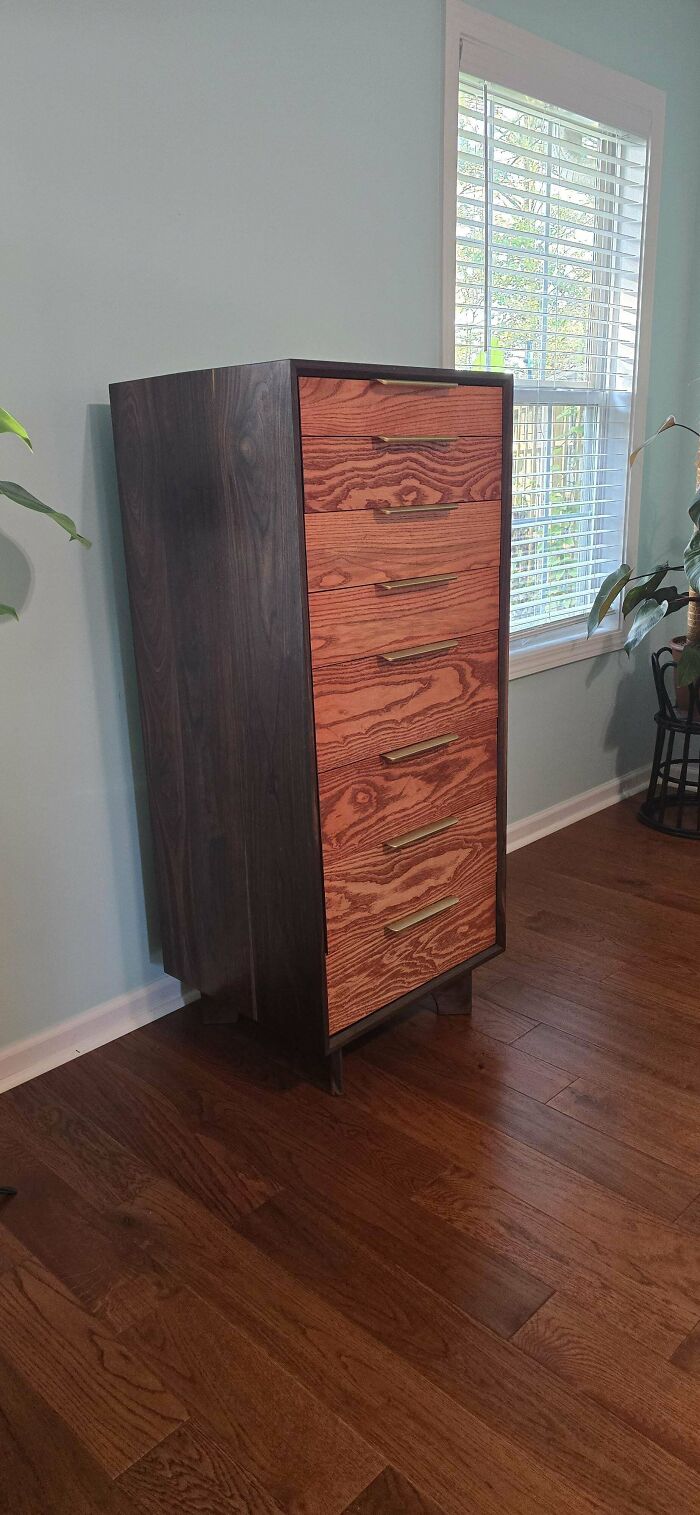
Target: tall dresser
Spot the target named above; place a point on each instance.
(317, 557)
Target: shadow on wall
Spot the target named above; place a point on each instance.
(16, 577)
(102, 490)
(630, 730)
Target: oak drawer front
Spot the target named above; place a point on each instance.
(352, 473)
(372, 967)
(370, 407)
(367, 706)
(390, 880)
(347, 549)
(356, 623)
(375, 802)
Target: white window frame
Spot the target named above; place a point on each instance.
(517, 59)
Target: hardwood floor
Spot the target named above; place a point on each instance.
(470, 1285)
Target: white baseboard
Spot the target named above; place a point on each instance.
(532, 827)
(93, 1028)
(81, 1033)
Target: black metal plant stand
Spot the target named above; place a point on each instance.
(672, 802)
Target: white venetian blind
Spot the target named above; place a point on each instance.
(550, 217)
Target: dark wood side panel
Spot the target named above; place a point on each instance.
(212, 520)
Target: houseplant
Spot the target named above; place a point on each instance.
(21, 496)
(647, 598)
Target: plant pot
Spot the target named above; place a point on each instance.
(677, 645)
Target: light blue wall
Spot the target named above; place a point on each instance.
(204, 183)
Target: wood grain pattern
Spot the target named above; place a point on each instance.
(651, 1396)
(366, 969)
(439, 1266)
(593, 1154)
(373, 886)
(575, 1439)
(43, 1467)
(390, 1494)
(189, 1471)
(365, 408)
(346, 550)
(366, 706)
(111, 1402)
(217, 593)
(354, 473)
(277, 1432)
(356, 623)
(375, 801)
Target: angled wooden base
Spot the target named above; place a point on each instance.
(455, 998)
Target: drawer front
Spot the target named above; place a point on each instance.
(348, 473)
(372, 407)
(367, 706)
(356, 623)
(390, 880)
(346, 549)
(377, 801)
(370, 967)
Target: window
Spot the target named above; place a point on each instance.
(548, 226)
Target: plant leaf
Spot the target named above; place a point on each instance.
(644, 590)
(691, 560)
(9, 610)
(694, 511)
(646, 618)
(23, 497)
(688, 669)
(8, 423)
(609, 590)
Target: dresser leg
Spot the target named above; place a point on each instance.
(455, 998)
(217, 1011)
(335, 1072)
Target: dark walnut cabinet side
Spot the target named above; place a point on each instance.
(317, 559)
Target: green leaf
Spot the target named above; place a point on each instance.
(9, 610)
(694, 511)
(23, 497)
(645, 589)
(691, 561)
(609, 590)
(646, 618)
(8, 423)
(688, 669)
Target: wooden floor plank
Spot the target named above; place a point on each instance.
(282, 1437)
(656, 1314)
(469, 1287)
(653, 1397)
(189, 1472)
(482, 1060)
(488, 1378)
(390, 1494)
(468, 1467)
(626, 1170)
(43, 1466)
(650, 1121)
(111, 1402)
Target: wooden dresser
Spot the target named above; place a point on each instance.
(317, 556)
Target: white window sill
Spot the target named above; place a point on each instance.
(542, 649)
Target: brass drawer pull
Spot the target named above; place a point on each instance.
(405, 921)
(397, 843)
(399, 754)
(419, 383)
(413, 510)
(426, 581)
(403, 440)
(403, 655)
